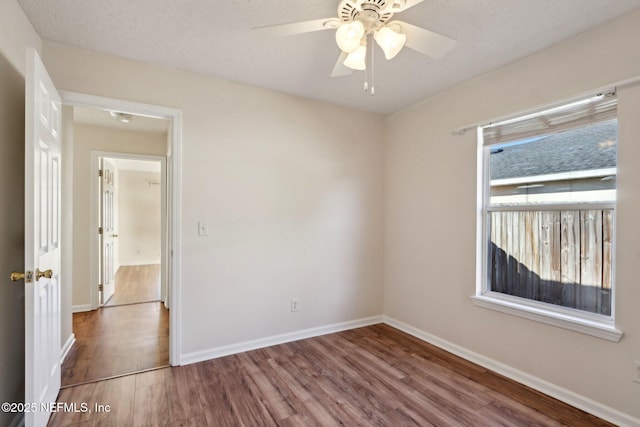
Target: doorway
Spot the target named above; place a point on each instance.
(118, 328)
(131, 211)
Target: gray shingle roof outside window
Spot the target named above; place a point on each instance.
(585, 148)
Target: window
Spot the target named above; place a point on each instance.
(547, 214)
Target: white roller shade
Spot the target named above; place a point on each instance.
(591, 110)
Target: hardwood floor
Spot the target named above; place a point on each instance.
(117, 340)
(373, 376)
(136, 283)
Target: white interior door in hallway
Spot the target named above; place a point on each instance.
(107, 233)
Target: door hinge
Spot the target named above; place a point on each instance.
(100, 173)
(100, 231)
(101, 287)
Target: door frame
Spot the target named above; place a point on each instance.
(173, 194)
(94, 210)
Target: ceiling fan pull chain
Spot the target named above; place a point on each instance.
(366, 75)
(366, 82)
(373, 89)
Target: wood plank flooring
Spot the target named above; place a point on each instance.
(117, 340)
(136, 283)
(373, 376)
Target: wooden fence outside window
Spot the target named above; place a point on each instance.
(557, 257)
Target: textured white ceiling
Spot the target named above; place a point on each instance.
(137, 165)
(214, 37)
(97, 117)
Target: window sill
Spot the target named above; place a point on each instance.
(604, 330)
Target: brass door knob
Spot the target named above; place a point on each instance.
(27, 276)
(15, 276)
(40, 274)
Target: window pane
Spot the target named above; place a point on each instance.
(574, 166)
(558, 257)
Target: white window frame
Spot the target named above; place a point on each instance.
(597, 325)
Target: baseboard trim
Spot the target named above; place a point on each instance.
(588, 405)
(140, 263)
(67, 346)
(81, 308)
(200, 356)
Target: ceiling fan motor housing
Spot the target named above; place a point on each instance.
(371, 13)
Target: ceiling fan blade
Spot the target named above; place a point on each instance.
(299, 27)
(401, 6)
(340, 70)
(427, 42)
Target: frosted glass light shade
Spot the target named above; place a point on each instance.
(390, 41)
(348, 36)
(356, 59)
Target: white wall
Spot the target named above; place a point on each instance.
(16, 34)
(290, 188)
(12, 232)
(89, 138)
(431, 212)
(139, 207)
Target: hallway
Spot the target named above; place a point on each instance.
(136, 283)
(117, 340)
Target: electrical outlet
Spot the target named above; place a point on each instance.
(295, 305)
(636, 371)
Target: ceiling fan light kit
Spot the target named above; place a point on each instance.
(356, 60)
(390, 42)
(348, 36)
(358, 19)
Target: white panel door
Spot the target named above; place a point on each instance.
(108, 236)
(42, 241)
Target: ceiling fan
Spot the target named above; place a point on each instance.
(359, 19)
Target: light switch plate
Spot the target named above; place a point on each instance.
(203, 228)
